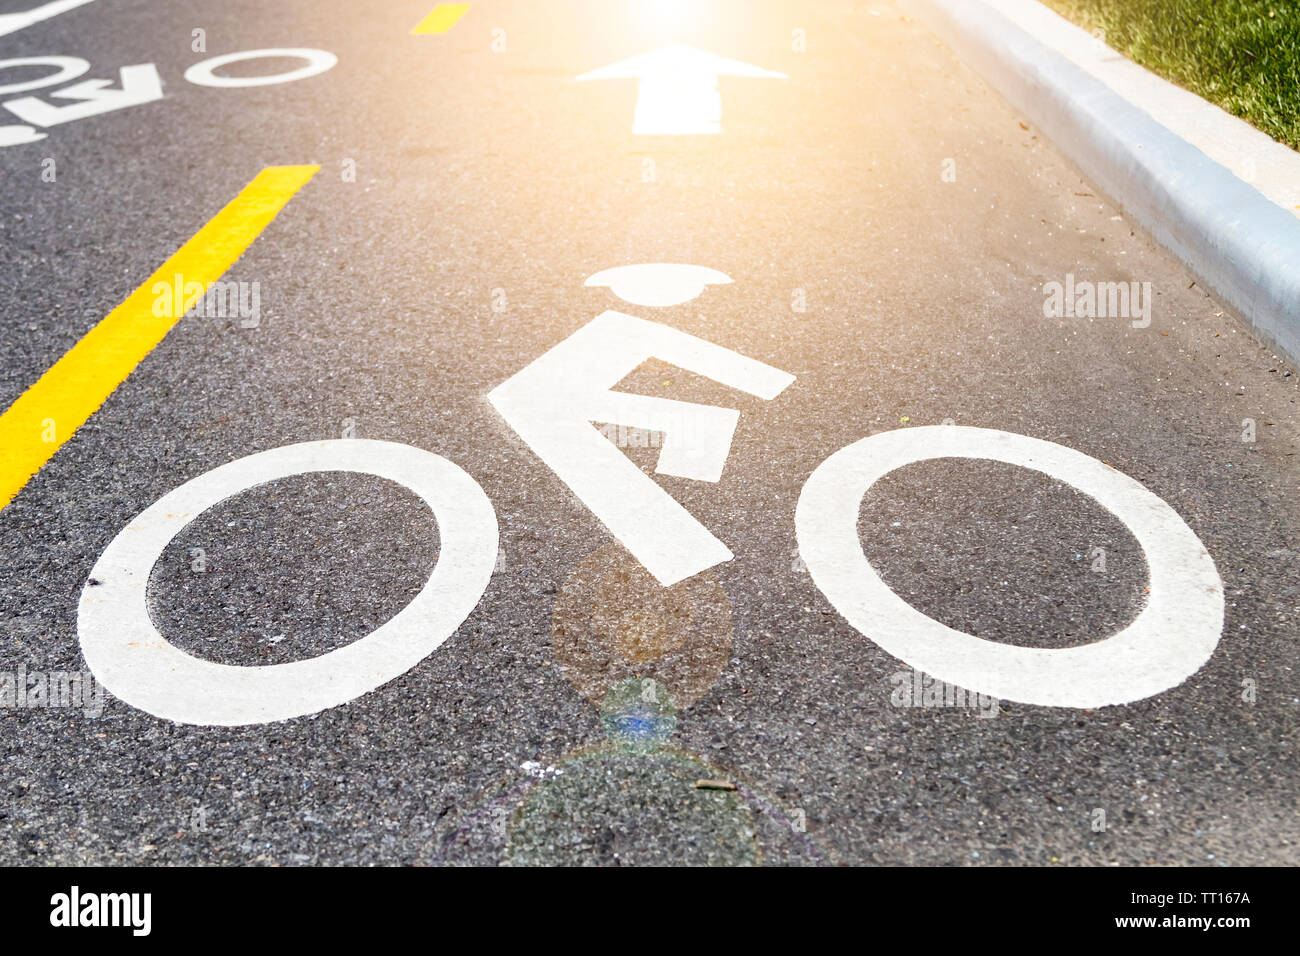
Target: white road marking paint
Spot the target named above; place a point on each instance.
(1170, 639)
(140, 84)
(204, 73)
(19, 135)
(658, 284)
(13, 22)
(552, 403)
(138, 665)
(66, 68)
(677, 88)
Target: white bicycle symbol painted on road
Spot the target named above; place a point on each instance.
(552, 404)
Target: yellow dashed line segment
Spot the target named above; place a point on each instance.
(442, 19)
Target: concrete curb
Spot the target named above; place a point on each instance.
(1238, 242)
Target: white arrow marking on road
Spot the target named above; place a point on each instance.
(677, 88)
(140, 84)
(553, 402)
(13, 22)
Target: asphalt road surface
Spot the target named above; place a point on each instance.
(891, 230)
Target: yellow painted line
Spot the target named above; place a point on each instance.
(46, 415)
(442, 19)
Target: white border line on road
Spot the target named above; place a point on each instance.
(22, 19)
